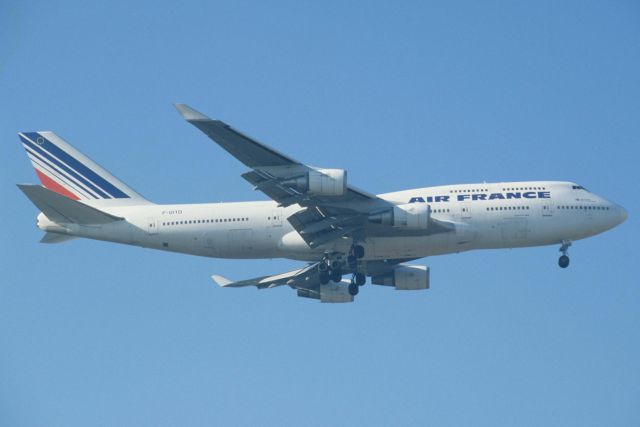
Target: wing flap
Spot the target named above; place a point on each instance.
(271, 188)
(317, 227)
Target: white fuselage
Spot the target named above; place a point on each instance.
(487, 216)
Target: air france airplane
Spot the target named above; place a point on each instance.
(343, 233)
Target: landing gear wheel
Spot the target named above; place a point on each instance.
(358, 251)
(336, 275)
(353, 289)
(324, 277)
(359, 279)
(563, 261)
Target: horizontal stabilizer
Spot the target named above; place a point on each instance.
(61, 209)
(55, 238)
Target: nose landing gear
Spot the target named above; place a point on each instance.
(563, 261)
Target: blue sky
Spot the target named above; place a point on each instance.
(402, 95)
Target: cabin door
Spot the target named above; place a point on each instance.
(465, 211)
(275, 220)
(152, 225)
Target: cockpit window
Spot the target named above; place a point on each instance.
(579, 187)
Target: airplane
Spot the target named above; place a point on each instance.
(344, 234)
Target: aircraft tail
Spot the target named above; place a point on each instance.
(64, 170)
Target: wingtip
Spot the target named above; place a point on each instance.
(189, 113)
(221, 281)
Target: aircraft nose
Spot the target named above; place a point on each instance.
(622, 214)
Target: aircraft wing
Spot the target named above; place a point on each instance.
(293, 278)
(305, 280)
(307, 283)
(273, 172)
(333, 207)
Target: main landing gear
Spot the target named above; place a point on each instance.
(324, 275)
(330, 268)
(357, 280)
(563, 261)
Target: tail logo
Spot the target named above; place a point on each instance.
(64, 173)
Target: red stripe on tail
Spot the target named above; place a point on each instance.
(54, 186)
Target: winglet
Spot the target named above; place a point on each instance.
(221, 281)
(189, 114)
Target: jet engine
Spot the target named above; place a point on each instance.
(321, 182)
(405, 277)
(332, 292)
(409, 215)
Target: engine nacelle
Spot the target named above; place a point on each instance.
(405, 277)
(330, 293)
(409, 215)
(321, 182)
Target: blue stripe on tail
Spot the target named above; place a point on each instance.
(60, 166)
(100, 185)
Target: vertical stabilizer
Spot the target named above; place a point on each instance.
(64, 170)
